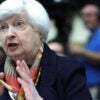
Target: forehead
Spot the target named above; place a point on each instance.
(90, 9)
(14, 17)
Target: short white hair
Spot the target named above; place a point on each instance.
(35, 11)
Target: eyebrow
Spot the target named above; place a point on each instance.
(19, 18)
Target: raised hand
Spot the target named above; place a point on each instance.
(26, 81)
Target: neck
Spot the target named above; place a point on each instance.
(30, 58)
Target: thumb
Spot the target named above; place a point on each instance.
(1, 75)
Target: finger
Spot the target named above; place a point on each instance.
(21, 82)
(1, 75)
(30, 90)
(23, 70)
(22, 64)
(27, 87)
(26, 67)
(18, 63)
(24, 84)
(22, 74)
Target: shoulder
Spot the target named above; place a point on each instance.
(66, 73)
(98, 30)
(71, 74)
(64, 66)
(96, 38)
(68, 65)
(70, 70)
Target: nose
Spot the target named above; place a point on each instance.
(11, 32)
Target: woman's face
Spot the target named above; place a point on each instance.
(19, 39)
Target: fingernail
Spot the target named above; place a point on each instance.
(18, 61)
(1, 73)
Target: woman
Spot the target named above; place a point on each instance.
(31, 69)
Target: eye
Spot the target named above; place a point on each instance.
(19, 24)
(3, 27)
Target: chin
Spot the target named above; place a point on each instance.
(15, 56)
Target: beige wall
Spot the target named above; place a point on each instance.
(79, 33)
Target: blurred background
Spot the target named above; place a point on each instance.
(65, 19)
(66, 23)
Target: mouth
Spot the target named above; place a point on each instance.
(12, 46)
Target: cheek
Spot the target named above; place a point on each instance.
(30, 43)
(4, 43)
(25, 43)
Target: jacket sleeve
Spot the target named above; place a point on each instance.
(72, 75)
